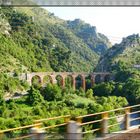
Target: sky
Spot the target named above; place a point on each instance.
(114, 22)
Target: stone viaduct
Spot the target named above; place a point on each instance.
(102, 76)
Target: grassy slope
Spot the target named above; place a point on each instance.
(82, 55)
(48, 31)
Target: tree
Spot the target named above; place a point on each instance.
(131, 90)
(89, 93)
(52, 92)
(2, 101)
(122, 72)
(34, 97)
(104, 89)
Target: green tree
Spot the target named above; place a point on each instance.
(89, 93)
(52, 92)
(2, 101)
(34, 97)
(104, 89)
(131, 90)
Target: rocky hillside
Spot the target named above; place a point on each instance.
(128, 52)
(33, 39)
(95, 41)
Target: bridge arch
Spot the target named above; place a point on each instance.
(107, 78)
(69, 81)
(60, 80)
(88, 81)
(36, 80)
(97, 78)
(47, 79)
(80, 81)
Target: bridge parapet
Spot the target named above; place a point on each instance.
(101, 118)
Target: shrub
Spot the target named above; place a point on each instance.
(34, 97)
(52, 92)
(89, 93)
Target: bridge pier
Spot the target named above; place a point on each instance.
(127, 118)
(74, 131)
(73, 82)
(92, 80)
(83, 83)
(104, 128)
(38, 134)
(63, 82)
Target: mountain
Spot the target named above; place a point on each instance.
(95, 41)
(127, 52)
(33, 39)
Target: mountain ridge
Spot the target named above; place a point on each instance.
(128, 52)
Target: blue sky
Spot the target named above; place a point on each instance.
(114, 22)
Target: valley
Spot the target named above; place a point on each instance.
(65, 67)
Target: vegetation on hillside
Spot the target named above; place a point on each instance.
(126, 84)
(54, 101)
(37, 40)
(96, 41)
(32, 39)
(127, 52)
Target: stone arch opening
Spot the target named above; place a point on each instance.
(88, 83)
(78, 82)
(69, 81)
(97, 79)
(107, 78)
(47, 79)
(36, 81)
(60, 80)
